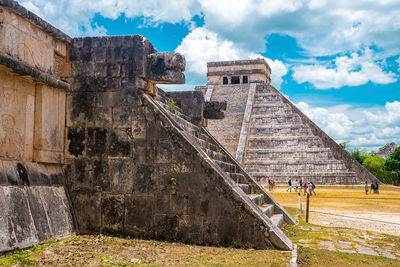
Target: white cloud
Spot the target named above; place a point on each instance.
(74, 16)
(372, 130)
(278, 70)
(201, 46)
(390, 116)
(336, 125)
(321, 27)
(347, 71)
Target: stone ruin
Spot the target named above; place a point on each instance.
(89, 144)
(269, 135)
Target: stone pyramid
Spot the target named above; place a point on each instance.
(268, 134)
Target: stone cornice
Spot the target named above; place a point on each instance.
(236, 72)
(237, 63)
(23, 69)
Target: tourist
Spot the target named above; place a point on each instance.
(289, 185)
(305, 186)
(269, 184)
(376, 188)
(313, 188)
(366, 188)
(296, 185)
(310, 188)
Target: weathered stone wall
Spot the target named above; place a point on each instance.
(227, 130)
(33, 56)
(25, 40)
(34, 205)
(17, 105)
(130, 171)
(32, 119)
(191, 102)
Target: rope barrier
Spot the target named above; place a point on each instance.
(383, 198)
(352, 217)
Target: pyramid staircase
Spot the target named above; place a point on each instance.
(269, 209)
(281, 147)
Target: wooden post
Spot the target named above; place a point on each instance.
(307, 207)
(299, 202)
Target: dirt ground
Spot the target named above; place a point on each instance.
(349, 207)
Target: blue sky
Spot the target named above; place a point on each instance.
(338, 61)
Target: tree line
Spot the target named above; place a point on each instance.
(384, 164)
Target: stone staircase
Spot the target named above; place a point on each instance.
(280, 146)
(268, 207)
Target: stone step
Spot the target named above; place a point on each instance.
(258, 199)
(162, 97)
(247, 188)
(275, 119)
(321, 153)
(294, 166)
(267, 209)
(271, 109)
(326, 178)
(227, 167)
(283, 141)
(263, 94)
(197, 135)
(216, 155)
(267, 98)
(293, 130)
(277, 219)
(264, 89)
(176, 111)
(237, 177)
(185, 123)
(206, 145)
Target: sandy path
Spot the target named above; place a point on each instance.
(371, 221)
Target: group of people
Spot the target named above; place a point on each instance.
(310, 187)
(374, 188)
(271, 184)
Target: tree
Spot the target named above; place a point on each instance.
(358, 155)
(392, 164)
(376, 165)
(344, 145)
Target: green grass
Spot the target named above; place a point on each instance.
(116, 251)
(26, 256)
(322, 257)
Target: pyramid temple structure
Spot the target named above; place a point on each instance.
(268, 134)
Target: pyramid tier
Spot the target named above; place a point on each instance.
(280, 130)
(273, 119)
(283, 141)
(318, 178)
(289, 153)
(294, 165)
